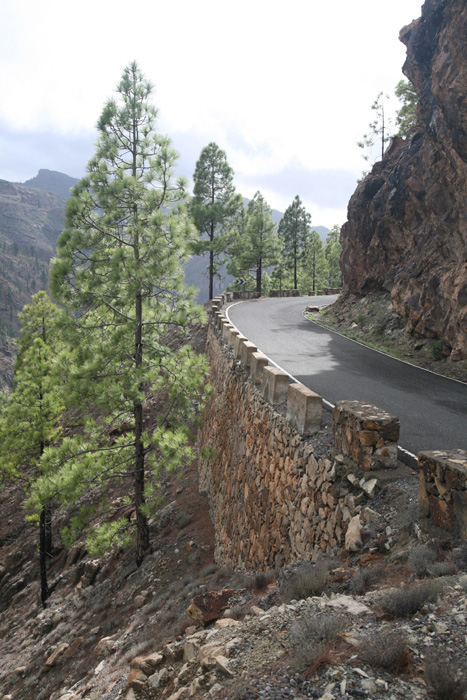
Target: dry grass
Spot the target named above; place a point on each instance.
(309, 580)
(365, 578)
(314, 637)
(445, 678)
(261, 580)
(421, 559)
(406, 601)
(386, 649)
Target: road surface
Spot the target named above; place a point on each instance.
(432, 409)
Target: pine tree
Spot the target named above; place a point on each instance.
(294, 228)
(213, 207)
(315, 268)
(261, 247)
(118, 269)
(30, 416)
(406, 117)
(380, 128)
(332, 252)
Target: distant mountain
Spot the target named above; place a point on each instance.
(52, 181)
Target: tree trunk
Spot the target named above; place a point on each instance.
(48, 531)
(142, 527)
(258, 275)
(43, 556)
(295, 267)
(211, 265)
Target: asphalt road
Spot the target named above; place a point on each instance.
(432, 409)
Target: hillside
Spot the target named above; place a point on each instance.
(406, 233)
(32, 218)
(30, 223)
(364, 624)
(52, 181)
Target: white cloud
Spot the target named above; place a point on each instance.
(272, 83)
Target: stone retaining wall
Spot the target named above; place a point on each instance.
(442, 492)
(271, 499)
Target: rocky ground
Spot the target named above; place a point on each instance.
(372, 320)
(385, 621)
(326, 630)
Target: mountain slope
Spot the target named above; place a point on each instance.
(52, 181)
(406, 232)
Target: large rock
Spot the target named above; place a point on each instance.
(206, 607)
(407, 231)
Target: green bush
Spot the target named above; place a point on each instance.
(438, 349)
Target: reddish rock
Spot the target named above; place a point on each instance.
(206, 607)
(406, 232)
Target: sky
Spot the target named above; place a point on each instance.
(284, 88)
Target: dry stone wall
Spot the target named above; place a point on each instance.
(271, 499)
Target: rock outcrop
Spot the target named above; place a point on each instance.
(407, 221)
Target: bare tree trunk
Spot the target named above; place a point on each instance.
(43, 557)
(142, 527)
(258, 275)
(211, 264)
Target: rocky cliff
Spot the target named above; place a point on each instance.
(407, 222)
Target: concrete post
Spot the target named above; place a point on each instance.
(226, 326)
(236, 346)
(275, 384)
(258, 363)
(246, 350)
(233, 333)
(304, 409)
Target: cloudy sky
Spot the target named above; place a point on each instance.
(285, 88)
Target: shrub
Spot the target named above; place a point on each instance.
(406, 601)
(313, 637)
(260, 580)
(208, 570)
(443, 568)
(421, 559)
(182, 519)
(309, 580)
(460, 556)
(445, 678)
(365, 578)
(440, 349)
(386, 649)
(360, 318)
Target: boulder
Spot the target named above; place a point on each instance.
(206, 607)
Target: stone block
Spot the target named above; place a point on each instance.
(236, 346)
(245, 351)
(257, 365)
(233, 333)
(443, 487)
(275, 385)
(304, 408)
(366, 434)
(226, 328)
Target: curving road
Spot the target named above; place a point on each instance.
(432, 409)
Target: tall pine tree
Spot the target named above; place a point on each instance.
(30, 416)
(261, 247)
(214, 207)
(118, 270)
(294, 228)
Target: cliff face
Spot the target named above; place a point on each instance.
(407, 220)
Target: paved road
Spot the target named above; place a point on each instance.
(432, 409)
